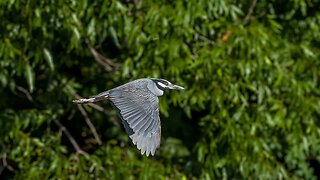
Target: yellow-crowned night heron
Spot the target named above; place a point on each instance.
(137, 103)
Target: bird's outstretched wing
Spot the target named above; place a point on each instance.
(139, 111)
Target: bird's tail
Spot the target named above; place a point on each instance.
(96, 98)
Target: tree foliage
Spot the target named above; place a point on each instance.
(251, 71)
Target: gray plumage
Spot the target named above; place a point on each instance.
(137, 104)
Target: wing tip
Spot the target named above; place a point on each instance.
(146, 145)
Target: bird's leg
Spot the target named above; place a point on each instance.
(90, 100)
(84, 100)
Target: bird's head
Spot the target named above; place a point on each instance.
(165, 84)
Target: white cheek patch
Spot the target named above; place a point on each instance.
(162, 85)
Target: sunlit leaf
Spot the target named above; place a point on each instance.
(48, 58)
(29, 75)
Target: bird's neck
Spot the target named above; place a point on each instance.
(154, 89)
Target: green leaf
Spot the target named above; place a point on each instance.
(29, 75)
(48, 58)
(114, 36)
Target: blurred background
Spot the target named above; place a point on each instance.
(251, 69)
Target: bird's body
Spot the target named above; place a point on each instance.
(137, 103)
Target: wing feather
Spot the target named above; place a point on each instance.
(152, 125)
(137, 119)
(145, 126)
(139, 124)
(138, 108)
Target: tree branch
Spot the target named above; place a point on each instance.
(26, 92)
(1, 168)
(71, 139)
(91, 126)
(204, 38)
(253, 5)
(5, 164)
(106, 63)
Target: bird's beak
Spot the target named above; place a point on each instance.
(173, 86)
